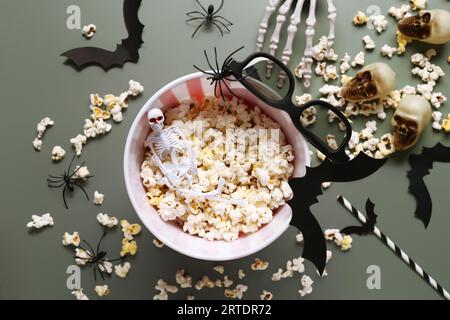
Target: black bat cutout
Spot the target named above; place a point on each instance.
(367, 227)
(126, 51)
(421, 164)
(308, 188)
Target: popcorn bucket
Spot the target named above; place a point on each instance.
(196, 86)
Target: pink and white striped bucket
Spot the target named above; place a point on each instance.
(196, 86)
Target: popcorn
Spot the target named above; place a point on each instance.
(106, 266)
(81, 173)
(426, 90)
(78, 143)
(89, 30)
(37, 144)
(331, 142)
(399, 13)
(379, 22)
(79, 295)
(301, 100)
(299, 238)
(95, 100)
(345, 63)
(259, 265)
(369, 44)
(326, 185)
(437, 99)
(82, 257)
(359, 60)
(227, 282)
(58, 153)
(184, 280)
(71, 239)
(102, 291)
(308, 117)
(107, 221)
(266, 295)
(236, 293)
(158, 243)
(41, 128)
(402, 42)
(190, 297)
(241, 274)
(128, 247)
(117, 114)
(418, 4)
(135, 88)
(219, 269)
(205, 282)
(39, 222)
(360, 18)
(130, 230)
(346, 243)
(98, 198)
(122, 270)
(307, 283)
(388, 51)
(446, 124)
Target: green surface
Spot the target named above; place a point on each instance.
(35, 83)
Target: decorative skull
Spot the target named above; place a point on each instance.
(430, 26)
(156, 119)
(374, 81)
(413, 114)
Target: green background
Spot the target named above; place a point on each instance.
(35, 83)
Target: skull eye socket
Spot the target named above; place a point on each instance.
(371, 90)
(426, 17)
(160, 118)
(411, 125)
(366, 76)
(153, 120)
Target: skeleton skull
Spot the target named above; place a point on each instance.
(431, 26)
(413, 114)
(372, 82)
(156, 119)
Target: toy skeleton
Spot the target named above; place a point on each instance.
(304, 67)
(170, 142)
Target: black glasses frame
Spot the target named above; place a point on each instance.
(236, 68)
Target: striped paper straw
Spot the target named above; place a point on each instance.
(399, 252)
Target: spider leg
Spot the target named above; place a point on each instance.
(100, 241)
(54, 181)
(220, 7)
(215, 88)
(202, 6)
(209, 63)
(79, 167)
(71, 162)
(95, 272)
(90, 248)
(64, 197)
(100, 271)
(229, 58)
(218, 27)
(217, 61)
(221, 91)
(223, 24)
(55, 177)
(192, 19)
(84, 191)
(56, 187)
(209, 73)
(201, 24)
(226, 20)
(189, 14)
(228, 88)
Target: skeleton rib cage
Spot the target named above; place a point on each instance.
(304, 68)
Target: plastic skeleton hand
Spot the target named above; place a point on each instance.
(170, 142)
(304, 69)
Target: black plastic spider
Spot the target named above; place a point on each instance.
(209, 16)
(217, 75)
(96, 258)
(67, 181)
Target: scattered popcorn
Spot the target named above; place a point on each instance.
(37, 144)
(190, 297)
(259, 265)
(326, 185)
(219, 269)
(158, 243)
(236, 293)
(437, 99)
(399, 13)
(418, 4)
(307, 283)
(227, 282)
(82, 257)
(346, 243)
(39, 222)
(331, 142)
(89, 30)
(241, 274)
(301, 100)
(359, 60)
(369, 44)
(205, 282)
(388, 51)
(122, 270)
(102, 291)
(184, 280)
(266, 295)
(107, 221)
(79, 295)
(164, 289)
(345, 63)
(128, 247)
(78, 143)
(360, 18)
(308, 117)
(98, 198)
(41, 128)
(71, 239)
(299, 238)
(130, 230)
(135, 88)
(379, 22)
(58, 153)
(446, 124)
(320, 155)
(81, 173)
(106, 266)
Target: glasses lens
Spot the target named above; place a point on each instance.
(325, 125)
(267, 78)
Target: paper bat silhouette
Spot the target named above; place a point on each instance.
(308, 188)
(421, 164)
(367, 227)
(126, 51)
